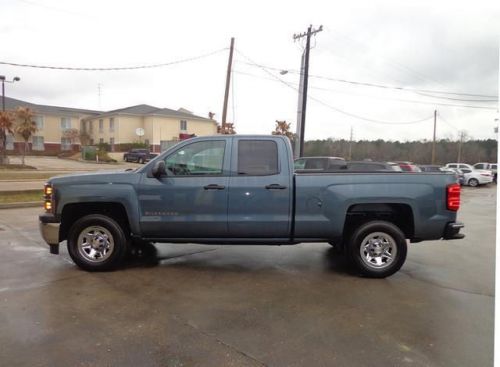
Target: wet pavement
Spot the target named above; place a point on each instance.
(194, 305)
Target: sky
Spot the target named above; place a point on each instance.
(418, 49)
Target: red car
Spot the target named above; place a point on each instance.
(408, 166)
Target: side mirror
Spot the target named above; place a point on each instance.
(159, 169)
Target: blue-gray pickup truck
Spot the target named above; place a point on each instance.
(237, 189)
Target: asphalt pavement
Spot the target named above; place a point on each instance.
(194, 305)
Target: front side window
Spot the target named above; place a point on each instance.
(257, 157)
(197, 159)
(299, 164)
(65, 123)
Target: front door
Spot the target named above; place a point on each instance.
(191, 201)
(260, 189)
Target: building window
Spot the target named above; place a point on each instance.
(65, 144)
(91, 141)
(91, 127)
(184, 125)
(111, 124)
(111, 141)
(38, 143)
(39, 122)
(101, 141)
(146, 141)
(101, 126)
(65, 123)
(9, 142)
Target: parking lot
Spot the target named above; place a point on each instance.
(194, 305)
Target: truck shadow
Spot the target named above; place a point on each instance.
(328, 259)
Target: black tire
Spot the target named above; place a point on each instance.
(103, 226)
(473, 182)
(381, 231)
(140, 160)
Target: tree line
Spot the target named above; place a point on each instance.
(470, 151)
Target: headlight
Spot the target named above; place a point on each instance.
(48, 195)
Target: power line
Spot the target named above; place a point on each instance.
(366, 84)
(378, 97)
(118, 68)
(335, 108)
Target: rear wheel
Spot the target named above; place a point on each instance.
(473, 182)
(377, 249)
(140, 160)
(97, 243)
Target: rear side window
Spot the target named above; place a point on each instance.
(317, 163)
(257, 157)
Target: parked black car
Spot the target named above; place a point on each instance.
(430, 168)
(138, 155)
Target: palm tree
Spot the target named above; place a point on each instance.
(27, 127)
(6, 124)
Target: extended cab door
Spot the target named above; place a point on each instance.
(260, 189)
(191, 200)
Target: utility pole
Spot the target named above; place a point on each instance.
(350, 146)
(462, 138)
(228, 82)
(308, 34)
(433, 159)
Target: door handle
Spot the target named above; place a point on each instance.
(275, 187)
(214, 187)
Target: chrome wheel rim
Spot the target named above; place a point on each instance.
(378, 250)
(95, 244)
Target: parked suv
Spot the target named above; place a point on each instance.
(318, 163)
(138, 155)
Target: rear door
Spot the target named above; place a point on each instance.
(260, 189)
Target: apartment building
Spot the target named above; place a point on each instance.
(51, 122)
(160, 126)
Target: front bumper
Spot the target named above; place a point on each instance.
(49, 229)
(452, 231)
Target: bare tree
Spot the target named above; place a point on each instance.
(227, 130)
(72, 134)
(6, 127)
(283, 128)
(26, 127)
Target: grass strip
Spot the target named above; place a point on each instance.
(20, 196)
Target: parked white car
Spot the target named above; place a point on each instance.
(473, 177)
(489, 166)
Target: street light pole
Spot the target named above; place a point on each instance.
(3, 133)
(3, 79)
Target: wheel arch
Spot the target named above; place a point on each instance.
(73, 211)
(399, 214)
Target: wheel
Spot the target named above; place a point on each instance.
(140, 160)
(97, 243)
(377, 249)
(473, 182)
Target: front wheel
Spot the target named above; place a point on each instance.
(473, 182)
(97, 243)
(377, 249)
(140, 160)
